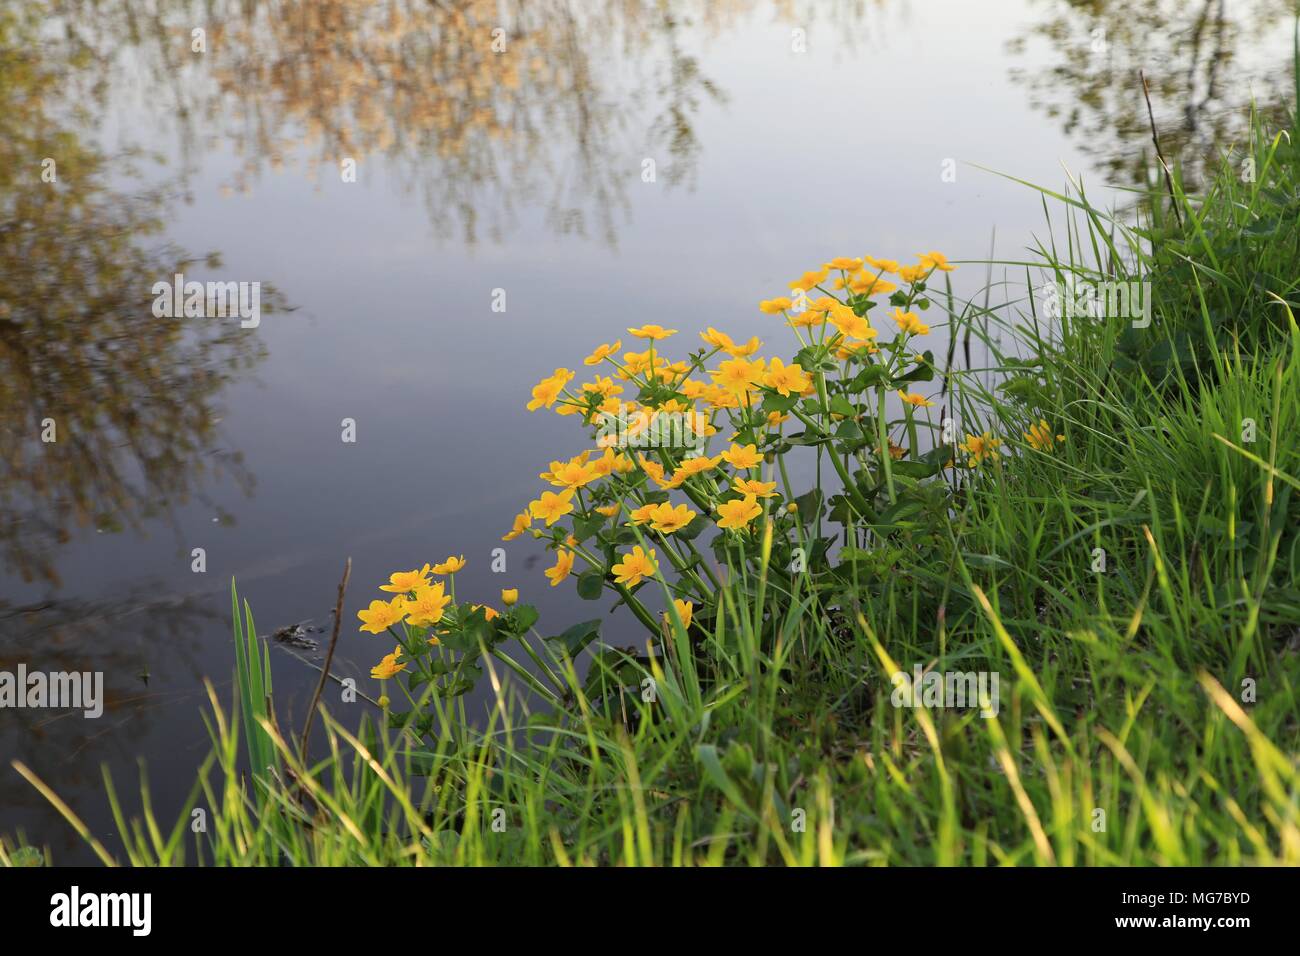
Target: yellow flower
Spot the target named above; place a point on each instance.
(652, 332)
(684, 609)
(864, 283)
(844, 263)
(936, 259)
(786, 378)
(850, 323)
(638, 363)
(608, 510)
(570, 474)
(488, 613)
(548, 389)
(979, 447)
(739, 512)
(509, 596)
(809, 280)
(450, 566)
(666, 519)
(697, 465)
(1040, 436)
(896, 451)
(909, 322)
(777, 419)
(746, 457)
(388, 667)
(883, 265)
(807, 318)
(738, 375)
(920, 401)
(403, 582)
(643, 514)
(381, 615)
(724, 341)
(912, 274)
(563, 565)
(755, 488)
(602, 352)
(774, 306)
(603, 386)
(635, 566)
(551, 507)
(522, 521)
(426, 608)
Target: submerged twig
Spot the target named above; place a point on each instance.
(329, 657)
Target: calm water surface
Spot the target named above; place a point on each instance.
(476, 171)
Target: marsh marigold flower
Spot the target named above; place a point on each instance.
(1040, 436)
(850, 323)
(563, 565)
(785, 379)
(684, 609)
(910, 322)
(388, 667)
(643, 514)
(381, 615)
(666, 519)
(551, 507)
(747, 457)
(522, 521)
(426, 608)
(738, 375)
(602, 352)
(738, 512)
(775, 306)
(652, 332)
(911, 398)
(451, 565)
(403, 582)
(722, 340)
(697, 465)
(809, 280)
(936, 259)
(758, 489)
(548, 389)
(980, 447)
(509, 596)
(635, 566)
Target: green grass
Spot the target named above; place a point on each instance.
(1123, 737)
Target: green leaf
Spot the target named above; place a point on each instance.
(591, 583)
(576, 638)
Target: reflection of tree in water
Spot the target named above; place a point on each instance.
(562, 119)
(1193, 52)
(129, 394)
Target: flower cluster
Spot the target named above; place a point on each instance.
(684, 445)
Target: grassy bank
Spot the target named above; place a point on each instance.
(1109, 526)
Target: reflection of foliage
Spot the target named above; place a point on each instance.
(477, 131)
(1186, 47)
(129, 394)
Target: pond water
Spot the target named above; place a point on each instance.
(780, 134)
